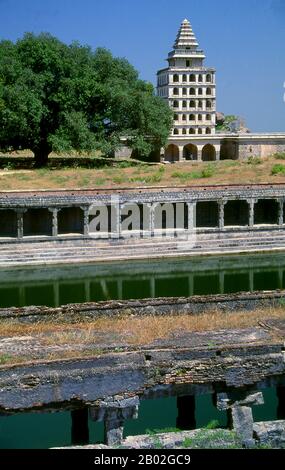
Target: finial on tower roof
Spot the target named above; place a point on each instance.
(185, 36)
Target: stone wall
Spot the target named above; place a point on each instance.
(194, 305)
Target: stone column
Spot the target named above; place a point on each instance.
(199, 154)
(20, 222)
(191, 206)
(186, 413)
(118, 219)
(86, 221)
(54, 221)
(181, 149)
(152, 208)
(221, 214)
(218, 155)
(114, 413)
(280, 212)
(79, 427)
(240, 412)
(251, 203)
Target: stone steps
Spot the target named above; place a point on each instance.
(86, 250)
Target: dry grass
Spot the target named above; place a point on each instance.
(188, 174)
(139, 330)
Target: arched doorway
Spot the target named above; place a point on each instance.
(171, 153)
(208, 153)
(190, 152)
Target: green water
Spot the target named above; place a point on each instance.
(45, 430)
(54, 286)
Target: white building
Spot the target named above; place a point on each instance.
(190, 89)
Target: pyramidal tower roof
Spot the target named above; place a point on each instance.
(186, 44)
(185, 37)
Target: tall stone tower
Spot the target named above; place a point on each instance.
(188, 86)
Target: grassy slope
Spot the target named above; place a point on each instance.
(254, 170)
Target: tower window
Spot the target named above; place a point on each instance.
(184, 104)
(200, 131)
(176, 78)
(192, 117)
(184, 91)
(192, 91)
(200, 104)
(176, 91)
(191, 131)
(208, 91)
(192, 104)
(183, 131)
(208, 130)
(184, 78)
(209, 78)
(183, 117)
(192, 78)
(175, 131)
(208, 117)
(200, 91)
(188, 63)
(200, 117)
(176, 118)
(200, 78)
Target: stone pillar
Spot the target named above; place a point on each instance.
(242, 422)
(251, 203)
(186, 413)
(199, 154)
(221, 214)
(79, 427)
(20, 223)
(152, 208)
(181, 151)
(191, 206)
(86, 221)
(54, 212)
(114, 413)
(114, 216)
(280, 391)
(118, 219)
(280, 212)
(240, 412)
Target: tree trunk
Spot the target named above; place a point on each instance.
(41, 156)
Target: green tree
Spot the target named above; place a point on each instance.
(55, 97)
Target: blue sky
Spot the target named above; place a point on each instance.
(243, 39)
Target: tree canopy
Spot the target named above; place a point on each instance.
(58, 97)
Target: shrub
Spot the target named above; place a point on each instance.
(254, 161)
(278, 169)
